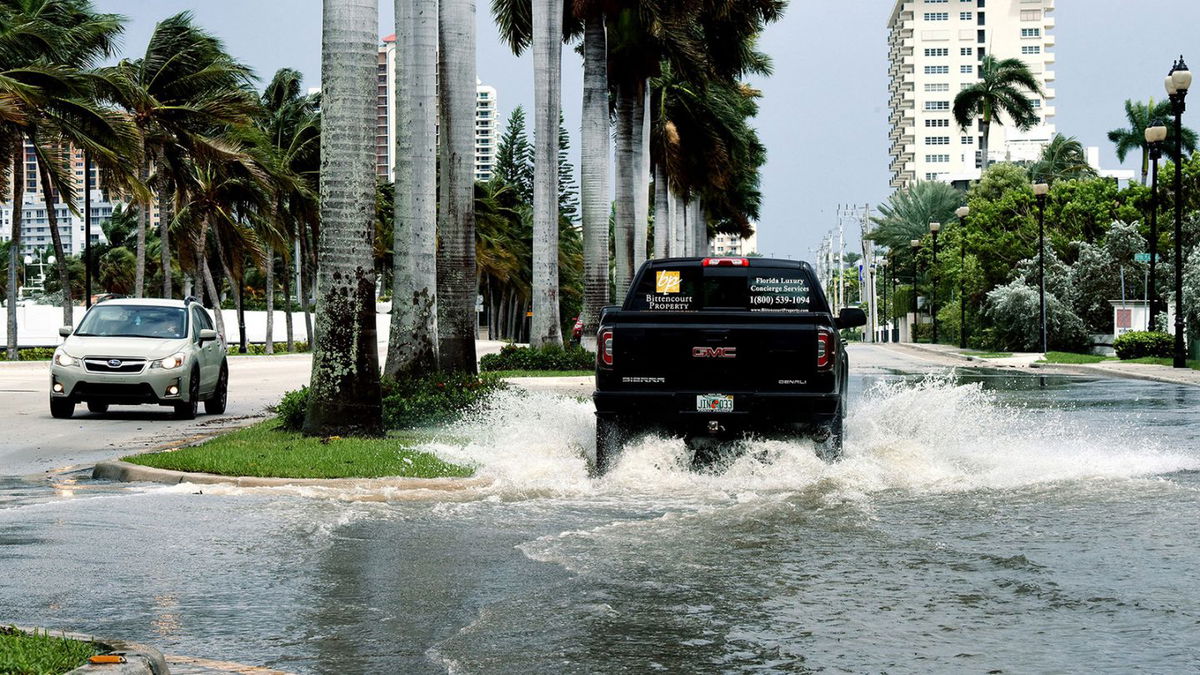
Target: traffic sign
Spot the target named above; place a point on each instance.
(1142, 257)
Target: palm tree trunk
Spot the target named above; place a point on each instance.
(697, 219)
(985, 128)
(303, 284)
(678, 228)
(412, 345)
(139, 270)
(344, 394)
(689, 230)
(14, 247)
(235, 285)
(270, 336)
(593, 175)
(201, 245)
(624, 193)
(60, 257)
(287, 302)
(641, 176)
(456, 275)
(662, 215)
(547, 106)
(164, 240)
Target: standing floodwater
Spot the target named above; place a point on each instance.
(994, 523)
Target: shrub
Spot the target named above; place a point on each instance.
(291, 409)
(1136, 344)
(1014, 313)
(549, 357)
(30, 354)
(434, 399)
(922, 332)
(259, 348)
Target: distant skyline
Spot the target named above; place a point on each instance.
(823, 115)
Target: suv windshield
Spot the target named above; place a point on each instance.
(689, 288)
(134, 321)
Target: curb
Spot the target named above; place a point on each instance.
(139, 659)
(117, 470)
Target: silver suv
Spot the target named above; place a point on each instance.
(141, 351)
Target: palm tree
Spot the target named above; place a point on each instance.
(1141, 115)
(909, 211)
(547, 76)
(1003, 90)
(183, 92)
(456, 289)
(345, 396)
(1062, 159)
(413, 344)
(593, 173)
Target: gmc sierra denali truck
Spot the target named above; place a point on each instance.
(714, 348)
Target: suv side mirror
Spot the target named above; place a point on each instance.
(851, 317)
(66, 331)
(207, 334)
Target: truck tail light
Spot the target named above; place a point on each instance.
(606, 347)
(726, 262)
(826, 345)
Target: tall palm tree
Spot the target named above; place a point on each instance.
(547, 76)
(1141, 115)
(909, 211)
(593, 172)
(413, 345)
(183, 92)
(1003, 90)
(1062, 159)
(345, 396)
(456, 282)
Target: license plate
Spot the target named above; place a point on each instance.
(718, 403)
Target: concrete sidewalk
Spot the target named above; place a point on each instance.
(1030, 361)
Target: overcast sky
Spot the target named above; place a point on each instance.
(823, 115)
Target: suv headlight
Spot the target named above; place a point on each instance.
(171, 362)
(63, 359)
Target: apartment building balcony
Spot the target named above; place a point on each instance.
(1048, 40)
(1049, 75)
(1049, 93)
(1049, 57)
(1048, 111)
(1048, 21)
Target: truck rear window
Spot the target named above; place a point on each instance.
(689, 289)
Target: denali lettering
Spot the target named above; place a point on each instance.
(714, 352)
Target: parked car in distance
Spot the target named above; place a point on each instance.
(128, 351)
(713, 348)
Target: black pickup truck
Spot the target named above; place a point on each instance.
(712, 348)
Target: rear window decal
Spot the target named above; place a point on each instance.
(666, 281)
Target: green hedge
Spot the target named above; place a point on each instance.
(1136, 344)
(259, 349)
(30, 354)
(550, 357)
(435, 399)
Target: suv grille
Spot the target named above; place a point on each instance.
(101, 365)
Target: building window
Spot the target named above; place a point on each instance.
(1031, 49)
(937, 70)
(937, 123)
(1031, 15)
(966, 51)
(937, 105)
(966, 70)
(936, 2)
(937, 159)
(937, 86)
(968, 140)
(931, 176)
(1036, 103)
(937, 16)
(937, 140)
(1031, 32)
(937, 51)
(966, 16)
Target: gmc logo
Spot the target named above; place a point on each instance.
(714, 352)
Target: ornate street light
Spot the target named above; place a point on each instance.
(1155, 136)
(912, 331)
(933, 229)
(962, 212)
(1040, 190)
(1177, 83)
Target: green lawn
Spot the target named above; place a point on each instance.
(543, 373)
(1071, 357)
(1162, 361)
(265, 451)
(40, 653)
(988, 355)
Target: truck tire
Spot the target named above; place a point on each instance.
(610, 438)
(830, 449)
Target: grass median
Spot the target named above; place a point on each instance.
(1073, 358)
(22, 652)
(542, 373)
(264, 450)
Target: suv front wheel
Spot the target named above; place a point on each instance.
(215, 405)
(61, 408)
(186, 410)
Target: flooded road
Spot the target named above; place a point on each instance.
(978, 523)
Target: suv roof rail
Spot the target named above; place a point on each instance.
(190, 299)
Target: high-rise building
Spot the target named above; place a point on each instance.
(734, 244)
(935, 50)
(486, 133)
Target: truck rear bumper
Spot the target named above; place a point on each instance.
(751, 410)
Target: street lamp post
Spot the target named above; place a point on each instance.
(1177, 83)
(912, 330)
(87, 229)
(933, 229)
(895, 317)
(1155, 136)
(1040, 190)
(962, 212)
(882, 266)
